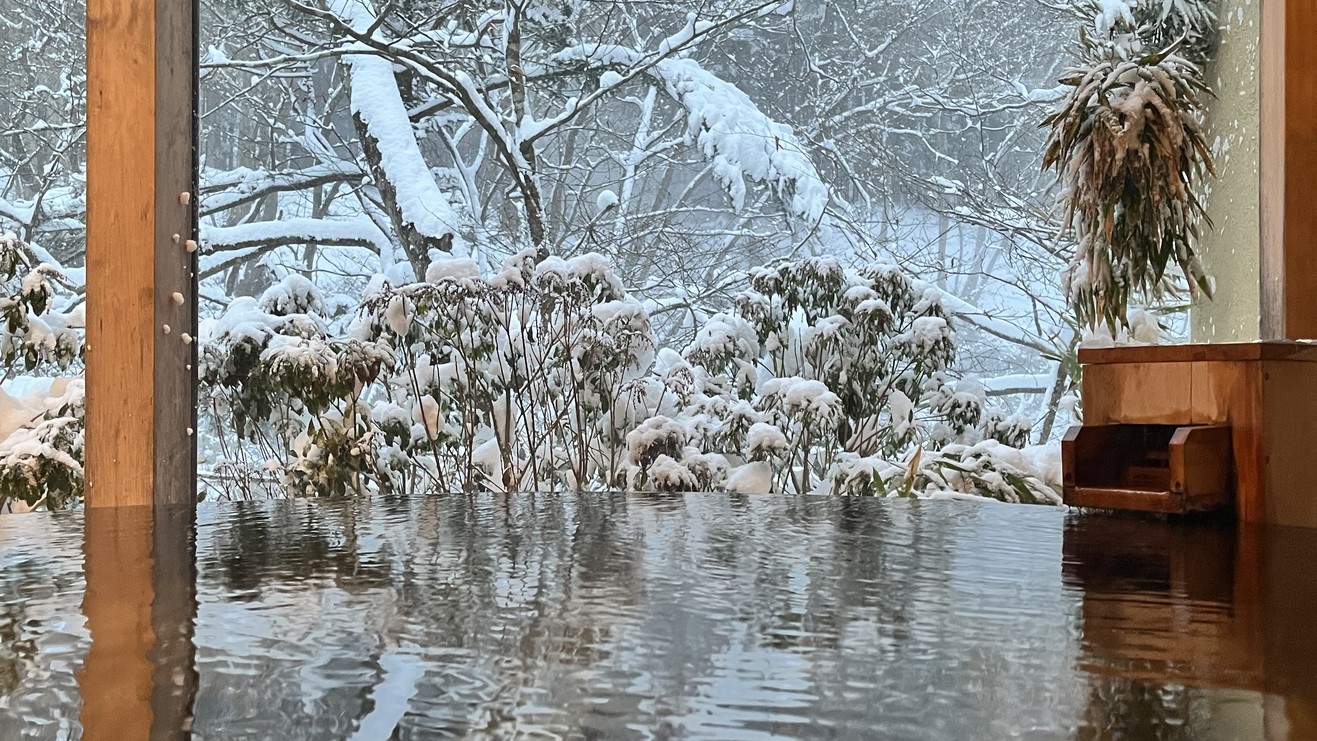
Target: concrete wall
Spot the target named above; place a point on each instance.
(1230, 252)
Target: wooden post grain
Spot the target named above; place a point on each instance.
(1288, 200)
(141, 213)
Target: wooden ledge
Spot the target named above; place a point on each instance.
(1217, 351)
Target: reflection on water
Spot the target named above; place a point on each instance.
(138, 679)
(1196, 631)
(616, 616)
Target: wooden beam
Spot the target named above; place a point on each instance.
(141, 213)
(1287, 195)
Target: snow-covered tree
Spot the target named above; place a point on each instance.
(476, 123)
(42, 112)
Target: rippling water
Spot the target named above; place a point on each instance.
(610, 616)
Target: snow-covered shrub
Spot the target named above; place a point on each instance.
(273, 374)
(543, 377)
(522, 380)
(828, 374)
(32, 333)
(533, 367)
(1128, 145)
(41, 461)
(986, 469)
(655, 438)
(40, 418)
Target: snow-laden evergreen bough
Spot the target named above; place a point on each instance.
(545, 377)
(1129, 149)
(40, 418)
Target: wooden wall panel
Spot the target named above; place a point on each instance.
(1271, 170)
(120, 269)
(1212, 391)
(1289, 406)
(1137, 393)
(175, 267)
(141, 61)
(1230, 393)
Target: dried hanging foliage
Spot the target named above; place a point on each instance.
(1129, 150)
(1191, 23)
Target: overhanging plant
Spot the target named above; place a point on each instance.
(1129, 149)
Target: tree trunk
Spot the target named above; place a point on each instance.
(415, 245)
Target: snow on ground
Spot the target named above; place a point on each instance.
(751, 478)
(1044, 461)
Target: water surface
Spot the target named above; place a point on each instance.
(614, 616)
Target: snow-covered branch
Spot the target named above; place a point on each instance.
(424, 217)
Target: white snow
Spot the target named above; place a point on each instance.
(1018, 382)
(1043, 461)
(455, 268)
(725, 335)
(24, 431)
(667, 474)
(225, 189)
(358, 230)
(657, 433)
(751, 478)
(607, 199)
(295, 294)
(242, 319)
(734, 134)
(426, 413)
(488, 455)
(397, 315)
(24, 399)
(1144, 329)
(928, 331)
(764, 439)
(806, 397)
(1110, 14)
(742, 141)
(902, 412)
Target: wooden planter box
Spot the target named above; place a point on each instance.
(1181, 428)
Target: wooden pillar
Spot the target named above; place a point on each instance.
(1288, 195)
(141, 285)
